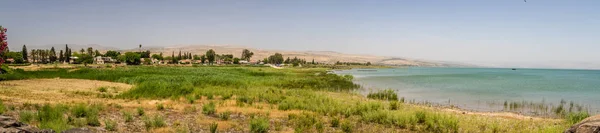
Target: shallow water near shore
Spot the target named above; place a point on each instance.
(526, 91)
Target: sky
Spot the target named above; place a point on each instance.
(503, 33)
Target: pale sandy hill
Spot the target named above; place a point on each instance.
(319, 56)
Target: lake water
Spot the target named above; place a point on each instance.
(532, 91)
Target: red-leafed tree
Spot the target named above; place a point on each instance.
(3, 43)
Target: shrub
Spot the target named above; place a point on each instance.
(209, 109)
(225, 115)
(335, 122)
(245, 99)
(347, 127)
(394, 105)
(50, 117)
(127, 116)
(26, 116)
(160, 106)
(573, 118)
(213, 127)
(421, 116)
(102, 89)
(2, 108)
(304, 122)
(110, 125)
(259, 125)
(190, 99)
(384, 95)
(140, 111)
(154, 122)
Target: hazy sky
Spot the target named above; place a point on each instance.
(542, 33)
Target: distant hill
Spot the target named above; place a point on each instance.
(58, 47)
(329, 57)
(319, 56)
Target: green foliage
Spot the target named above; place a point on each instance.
(51, 117)
(26, 116)
(210, 55)
(102, 89)
(335, 122)
(112, 54)
(2, 108)
(209, 109)
(140, 111)
(394, 105)
(305, 121)
(132, 58)
(225, 115)
(347, 126)
(384, 95)
(110, 125)
(160, 106)
(576, 117)
(213, 127)
(259, 125)
(127, 116)
(154, 122)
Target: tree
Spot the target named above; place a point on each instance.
(61, 58)
(90, 51)
(210, 54)
(67, 54)
(287, 61)
(24, 53)
(277, 58)
(368, 63)
(196, 57)
(173, 58)
(313, 62)
(203, 58)
(83, 58)
(246, 55)
(82, 51)
(132, 58)
(97, 53)
(52, 55)
(112, 54)
(3, 43)
(156, 56)
(179, 57)
(236, 60)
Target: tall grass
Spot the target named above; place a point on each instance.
(384, 95)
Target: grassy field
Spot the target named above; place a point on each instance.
(242, 99)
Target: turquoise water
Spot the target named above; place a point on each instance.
(487, 89)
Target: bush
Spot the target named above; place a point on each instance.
(347, 127)
(209, 109)
(384, 95)
(110, 125)
(421, 116)
(2, 108)
(26, 116)
(259, 125)
(127, 116)
(160, 106)
(213, 127)
(304, 122)
(573, 118)
(154, 122)
(335, 122)
(394, 105)
(140, 111)
(225, 115)
(102, 89)
(51, 117)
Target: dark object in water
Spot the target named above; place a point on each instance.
(514, 69)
